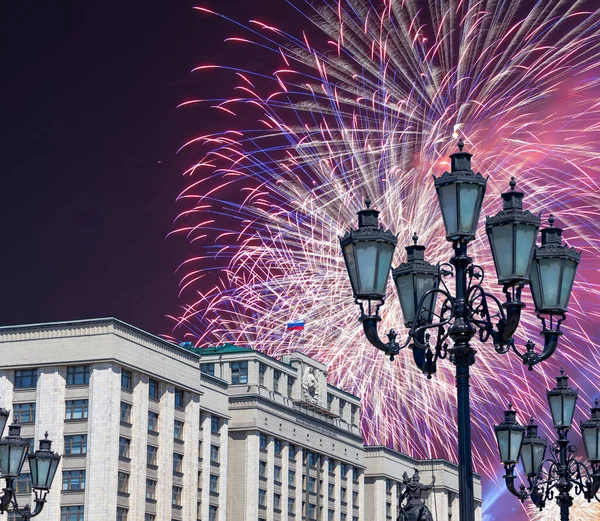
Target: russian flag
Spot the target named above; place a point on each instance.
(296, 325)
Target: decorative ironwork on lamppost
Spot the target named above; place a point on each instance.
(560, 473)
(43, 464)
(435, 315)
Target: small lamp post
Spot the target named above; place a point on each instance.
(428, 305)
(562, 471)
(43, 464)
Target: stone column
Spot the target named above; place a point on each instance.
(103, 442)
(325, 488)
(361, 496)
(166, 419)
(270, 476)
(285, 467)
(299, 469)
(338, 491)
(252, 452)
(139, 444)
(223, 450)
(191, 429)
(379, 499)
(206, 442)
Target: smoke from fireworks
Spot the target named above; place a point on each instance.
(370, 100)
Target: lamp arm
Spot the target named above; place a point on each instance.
(418, 329)
(509, 479)
(390, 348)
(7, 496)
(530, 357)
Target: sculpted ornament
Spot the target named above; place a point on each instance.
(310, 391)
(415, 508)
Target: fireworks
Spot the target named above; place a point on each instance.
(371, 102)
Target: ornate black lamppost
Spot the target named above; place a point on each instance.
(550, 269)
(42, 464)
(562, 472)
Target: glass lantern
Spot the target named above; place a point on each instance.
(590, 430)
(509, 435)
(533, 450)
(13, 450)
(562, 400)
(43, 464)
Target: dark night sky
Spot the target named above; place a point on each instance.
(89, 166)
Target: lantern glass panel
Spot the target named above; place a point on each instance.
(516, 438)
(567, 282)
(42, 471)
(424, 283)
(503, 446)
(12, 457)
(591, 439)
(469, 206)
(447, 194)
(525, 244)
(532, 455)
(351, 265)
(562, 408)
(550, 274)
(404, 287)
(534, 283)
(3, 421)
(366, 257)
(503, 247)
(386, 251)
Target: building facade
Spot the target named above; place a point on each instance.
(157, 432)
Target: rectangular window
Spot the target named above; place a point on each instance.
(151, 455)
(214, 424)
(277, 473)
(208, 368)
(76, 410)
(124, 447)
(291, 505)
(212, 513)
(292, 477)
(78, 375)
(214, 483)
(355, 498)
(291, 452)
(262, 497)
(342, 406)
(25, 378)
(312, 459)
(177, 462)
(329, 401)
(330, 515)
(312, 511)
(342, 516)
(355, 474)
(312, 484)
(152, 517)
(74, 480)
(22, 484)
(123, 484)
(214, 454)
(179, 398)
(388, 509)
(343, 470)
(239, 372)
(277, 501)
(24, 412)
(290, 386)
(331, 464)
(153, 389)
(71, 513)
(178, 430)
(76, 444)
(126, 379)
(176, 496)
(152, 421)
(262, 469)
(121, 514)
(263, 441)
(330, 491)
(150, 489)
(276, 378)
(277, 447)
(343, 494)
(125, 412)
(388, 485)
(353, 414)
(262, 370)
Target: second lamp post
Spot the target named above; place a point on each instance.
(471, 310)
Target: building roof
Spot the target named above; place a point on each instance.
(219, 350)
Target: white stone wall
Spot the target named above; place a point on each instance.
(166, 420)
(139, 443)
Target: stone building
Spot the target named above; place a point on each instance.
(157, 432)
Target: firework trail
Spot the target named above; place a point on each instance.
(580, 511)
(370, 100)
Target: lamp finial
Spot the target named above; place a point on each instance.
(461, 144)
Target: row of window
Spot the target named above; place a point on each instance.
(309, 510)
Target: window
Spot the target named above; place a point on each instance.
(124, 447)
(342, 405)
(151, 455)
(22, 484)
(262, 469)
(214, 454)
(262, 369)
(277, 446)
(208, 369)
(213, 483)
(153, 389)
(177, 462)
(343, 470)
(312, 459)
(239, 372)
(126, 379)
(76, 444)
(76, 410)
(74, 480)
(290, 386)
(277, 473)
(121, 514)
(312, 484)
(152, 517)
(176, 496)
(329, 401)
(78, 375)
(355, 473)
(262, 497)
(291, 505)
(214, 424)
(330, 490)
(31, 442)
(342, 516)
(277, 501)
(388, 509)
(178, 430)
(125, 412)
(355, 498)
(388, 485)
(330, 515)
(291, 452)
(24, 412)
(263, 441)
(123, 483)
(276, 378)
(212, 513)
(71, 513)
(353, 414)
(331, 465)
(343, 494)
(312, 511)
(25, 378)
(152, 421)
(292, 477)
(179, 398)
(199, 480)
(150, 489)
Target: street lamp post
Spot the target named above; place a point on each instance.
(562, 472)
(43, 464)
(428, 305)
